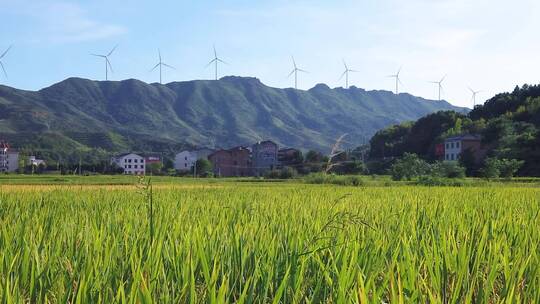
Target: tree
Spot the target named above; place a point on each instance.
(447, 169)
(408, 167)
(203, 167)
(313, 157)
(154, 168)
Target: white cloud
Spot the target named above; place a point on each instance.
(62, 22)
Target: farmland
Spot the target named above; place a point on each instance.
(239, 241)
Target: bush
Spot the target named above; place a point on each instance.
(320, 178)
(287, 173)
(494, 168)
(447, 169)
(408, 167)
(435, 181)
(284, 173)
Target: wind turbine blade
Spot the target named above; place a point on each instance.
(399, 71)
(293, 62)
(354, 71)
(155, 67)
(5, 52)
(3, 69)
(219, 60)
(443, 79)
(399, 80)
(303, 71)
(342, 75)
(114, 48)
(472, 91)
(391, 76)
(102, 56)
(170, 67)
(109, 64)
(292, 72)
(212, 61)
(215, 52)
(159, 54)
(345, 64)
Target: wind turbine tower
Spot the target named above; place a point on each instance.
(398, 80)
(161, 64)
(1, 63)
(295, 72)
(346, 74)
(215, 61)
(439, 85)
(474, 93)
(107, 62)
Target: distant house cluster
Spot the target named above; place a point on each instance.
(254, 160)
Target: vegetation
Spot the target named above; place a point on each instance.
(235, 242)
(83, 116)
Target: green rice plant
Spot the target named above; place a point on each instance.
(229, 242)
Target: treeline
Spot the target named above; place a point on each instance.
(509, 124)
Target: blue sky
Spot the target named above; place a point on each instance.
(488, 45)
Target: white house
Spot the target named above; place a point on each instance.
(454, 146)
(185, 160)
(131, 163)
(33, 161)
(9, 159)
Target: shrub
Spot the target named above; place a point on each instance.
(287, 173)
(409, 167)
(434, 181)
(494, 168)
(320, 178)
(447, 169)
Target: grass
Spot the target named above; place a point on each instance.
(288, 242)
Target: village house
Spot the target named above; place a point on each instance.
(36, 162)
(289, 157)
(264, 157)
(456, 145)
(131, 163)
(9, 158)
(185, 160)
(232, 162)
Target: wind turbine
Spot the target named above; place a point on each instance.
(215, 61)
(346, 74)
(1, 63)
(107, 62)
(439, 84)
(161, 64)
(398, 81)
(474, 93)
(295, 72)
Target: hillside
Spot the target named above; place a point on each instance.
(509, 124)
(132, 115)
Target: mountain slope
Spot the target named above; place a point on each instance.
(134, 115)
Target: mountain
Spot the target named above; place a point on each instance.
(132, 115)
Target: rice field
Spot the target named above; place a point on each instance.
(268, 243)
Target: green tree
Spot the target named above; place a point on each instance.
(154, 168)
(204, 167)
(408, 167)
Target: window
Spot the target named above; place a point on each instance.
(135, 166)
(185, 158)
(125, 160)
(129, 160)
(129, 166)
(125, 166)
(185, 165)
(457, 145)
(135, 160)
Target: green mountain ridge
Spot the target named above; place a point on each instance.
(132, 115)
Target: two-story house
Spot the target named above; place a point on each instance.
(131, 163)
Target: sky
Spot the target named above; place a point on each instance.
(488, 45)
